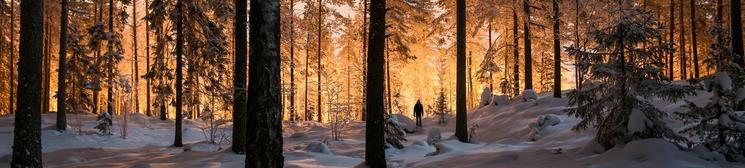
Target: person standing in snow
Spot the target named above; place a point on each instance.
(418, 111)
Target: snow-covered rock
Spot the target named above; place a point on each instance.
(590, 148)
(740, 95)
(529, 95)
(318, 147)
(434, 136)
(485, 97)
(405, 122)
(500, 100)
(637, 121)
(542, 122)
(724, 81)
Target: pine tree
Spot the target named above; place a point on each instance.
(717, 126)
(624, 76)
(264, 104)
(61, 87)
(27, 132)
(374, 134)
(528, 50)
(239, 81)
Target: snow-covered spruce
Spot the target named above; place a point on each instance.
(104, 123)
(623, 77)
(718, 125)
(485, 97)
(395, 133)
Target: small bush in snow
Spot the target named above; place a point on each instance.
(542, 122)
(394, 133)
(434, 136)
(104, 123)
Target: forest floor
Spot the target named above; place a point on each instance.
(503, 139)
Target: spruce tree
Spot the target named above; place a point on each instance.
(624, 76)
(717, 125)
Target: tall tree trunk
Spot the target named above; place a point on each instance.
(179, 66)
(239, 76)
(2, 44)
(670, 62)
(99, 20)
(147, 60)
(61, 84)
(293, 116)
(320, 55)
(110, 91)
(694, 40)
(47, 68)
(515, 52)
(27, 132)
(136, 78)
(557, 51)
(470, 81)
(12, 70)
(528, 50)
(308, 115)
(577, 69)
(736, 30)
(461, 122)
(265, 146)
(388, 77)
(364, 58)
(682, 38)
(375, 146)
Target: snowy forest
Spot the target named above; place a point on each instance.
(372, 83)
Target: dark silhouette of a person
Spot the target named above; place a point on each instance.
(418, 111)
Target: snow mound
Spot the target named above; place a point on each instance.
(500, 100)
(434, 136)
(529, 95)
(542, 122)
(318, 147)
(724, 81)
(485, 97)
(638, 122)
(404, 122)
(707, 154)
(648, 153)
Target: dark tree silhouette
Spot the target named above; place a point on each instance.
(736, 30)
(528, 50)
(27, 132)
(179, 74)
(557, 50)
(61, 84)
(264, 104)
(239, 73)
(461, 121)
(694, 40)
(374, 134)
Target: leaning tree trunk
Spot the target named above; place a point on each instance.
(61, 85)
(694, 41)
(736, 30)
(557, 51)
(239, 76)
(528, 50)
(264, 109)
(27, 132)
(179, 74)
(375, 146)
(461, 121)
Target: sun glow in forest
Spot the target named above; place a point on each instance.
(381, 83)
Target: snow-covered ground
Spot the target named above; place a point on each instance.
(521, 134)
